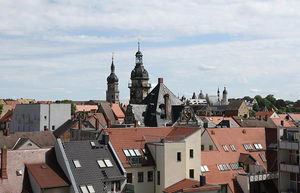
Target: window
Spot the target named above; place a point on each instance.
(225, 148)
(101, 163)
(262, 157)
(179, 156)
(76, 163)
(210, 148)
(248, 147)
(53, 127)
(150, 176)
(235, 166)
(45, 128)
(137, 152)
(140, 176)
(126, 152)
(93, 144)
(108, 163)
(131, 152)
(191, 153)
(129, 178)
(158, 177)
(204, 168)
(223, 167)
(232, 147)
(84, 189)
(45, 117)
(258, 146)
(191, 173)
(91, 188)
(202, 147)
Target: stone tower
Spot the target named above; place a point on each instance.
(225, 97)
(139, 86)
(112, 93)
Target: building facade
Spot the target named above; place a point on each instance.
(39, 117)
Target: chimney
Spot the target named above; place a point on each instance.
(202, 180)
(166, 97)
(205, 125)
(4, 163)
(266, 117)
(160, 80)
(105, 138)
(7, 132)
(108, 124)
(282, 123)
(80, 122)
(136, 123)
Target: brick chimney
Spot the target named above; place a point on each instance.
(4, 163)
(136, 124)
(108, 124)
(166, 97)
(160, 80)
(97, 123)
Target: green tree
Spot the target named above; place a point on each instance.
(271, 98)
(280, 104)
(247, 98)
(256, 107)
(73, 106)
(252, 113)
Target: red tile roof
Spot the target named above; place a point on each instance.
(86, 108)
(45, 102)
(136, 138)
(7, 116)
(217, 119)
(12, 103)
(45, 176)
(286, 123)
(117, 111)
(295, 116)
(188, 185)
(237, 137)
(264, 113)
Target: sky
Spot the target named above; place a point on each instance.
(62, 49)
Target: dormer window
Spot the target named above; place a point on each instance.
(232, 147)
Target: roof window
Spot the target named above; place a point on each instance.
(137, 152)
(84, 189)
(108, 163)
(91, 188)
(126, 152)
(225, 148)
(262, 157)
(204, 168)
(132, 152)
(76, 163)
(101, 163)
(235, 166)
(223, 167)
(258, 146)
(232, 147)
(248, 147)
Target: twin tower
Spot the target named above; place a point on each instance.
(139, 86)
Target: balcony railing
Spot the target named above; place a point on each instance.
(290, 145)
(289, 168)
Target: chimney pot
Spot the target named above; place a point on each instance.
(160, 80)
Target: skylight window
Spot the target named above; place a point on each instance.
(262, 157)
(131, 152)
(223, 167)
(248, 147)
(91, 188)
(108, 163)
(232, 147)
(126, 152)
(84, 189)
(76, 163)
(93, 144)
(235, 166)
(206, 168)
(258, 146)
(101, 163)
(137, 152)
(225, 148)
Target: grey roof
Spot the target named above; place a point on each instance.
(138, 111)
(90, 172)
(64, 127)
(219, 108)
(153, 101)
(107, 112)
(41, 138)
(235, 104)
(254, 122)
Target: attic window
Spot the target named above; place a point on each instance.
(262, 157)
(235, 166)
(126, 152)
(91, 188)
(248, 147)
(108, 163)
(137, 152)
(76, 163)
(131, 152)
(204, 168)
(258, 146)
(101, 163)
(93, 144)
(232, 147)
(223, 167)
(225, 148)
(84, 189)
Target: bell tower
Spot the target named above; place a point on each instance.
(112, 93)
(139, 86)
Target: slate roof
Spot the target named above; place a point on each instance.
(45, 176)
(188, 185)
(64, 127)
(138, 111)
(41, 138)
(153, 101)
(237, 137)
(90, 172)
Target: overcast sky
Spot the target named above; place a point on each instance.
(62, 49)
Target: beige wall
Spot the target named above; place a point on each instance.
(206, 141)
(145, 187)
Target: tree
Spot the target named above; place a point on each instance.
(256, 107)
(247, 98)
(73, 106)
(280, 104)
(271, 98)
(252, 113)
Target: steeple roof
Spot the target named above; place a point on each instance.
(112, 78)
(139, 72)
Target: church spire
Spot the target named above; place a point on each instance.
(112, 67)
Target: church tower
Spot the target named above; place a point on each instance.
(139, 86)
(225, 97)
(112, 93)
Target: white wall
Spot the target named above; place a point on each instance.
(145, 187)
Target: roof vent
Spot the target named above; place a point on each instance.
(43, 166)
(19, 172)
(244, 131)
